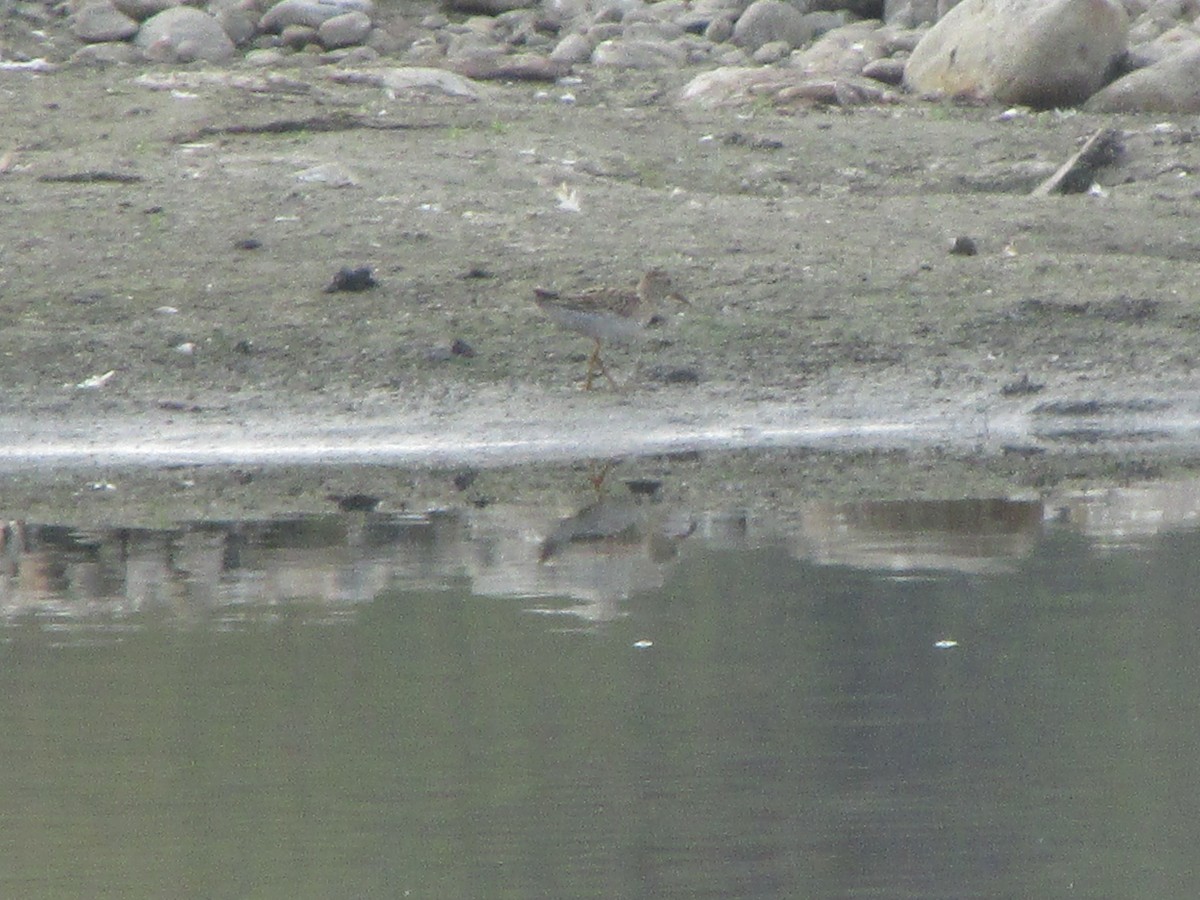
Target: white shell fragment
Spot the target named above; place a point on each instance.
(96, 381)
(568, 198)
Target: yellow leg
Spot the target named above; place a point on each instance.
(604, 371)
(593, 362)
(599, 475)
(596, 367)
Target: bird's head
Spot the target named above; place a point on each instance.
(656, 286)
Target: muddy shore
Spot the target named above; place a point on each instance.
(177, 229)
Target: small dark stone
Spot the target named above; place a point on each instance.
(355, 502)
(1127, 309)
(964, 246)
(478, 272)
(741, 139)
(681, 375)
(643, 487)
(461, 348)
(244, 346)
(247, 244)
(348, 279)
(1021, 451)
(179, 406)
(465, 478)
(682, 456)
(1021, 387)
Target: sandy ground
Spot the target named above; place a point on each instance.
(178, 232)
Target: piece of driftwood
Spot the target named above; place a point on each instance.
(1078, 173)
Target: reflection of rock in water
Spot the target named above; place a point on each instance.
(324, 566)
(1118, 515)
(952, 535)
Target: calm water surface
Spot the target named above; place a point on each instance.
(975, 699)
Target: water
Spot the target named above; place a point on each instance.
(975, 699)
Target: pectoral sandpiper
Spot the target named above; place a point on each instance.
(611, 314)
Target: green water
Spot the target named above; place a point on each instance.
(791, 731)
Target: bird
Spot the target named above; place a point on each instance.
(608, 314)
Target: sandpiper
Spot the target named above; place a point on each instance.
(608, 314)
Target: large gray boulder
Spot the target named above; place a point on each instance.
(183, 34)
(1038, 53)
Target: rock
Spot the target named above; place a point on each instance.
(266, 57)
(141, 10)
(309, 12)
(240, 25)
(471, 46)
(413, 79)
(771, 52)
(345, 30)
(719, 30)
(485, 7)
(725, 85)
(652, 31)
(910, 13)
(183, 34)
(889, 71)
(574, 48)
(638, 55)
(1167, 44)
(820, 21)
(862, 9)
(360, 278)
(100, 21)
(831, 92)
(766, 21)
(901, 40)
(298, 36)
(842, 52)
(109, 53)
(1038, 53)
(1171, 85)
(352, 56)
(520, 67)
(605, 31)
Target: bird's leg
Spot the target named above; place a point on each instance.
(596, 367)
(593, 362)
(599, 475)
(603, 370)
